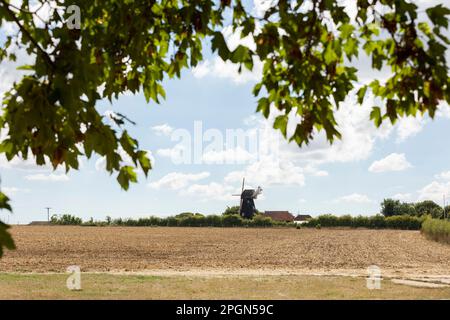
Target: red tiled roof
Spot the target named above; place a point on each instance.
(279, 215)
(302, 217)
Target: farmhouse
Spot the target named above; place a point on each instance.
(285, 216)
(39, 223)
(302, 218)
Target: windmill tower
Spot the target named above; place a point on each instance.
(247, 207)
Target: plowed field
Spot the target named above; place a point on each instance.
(223, 250)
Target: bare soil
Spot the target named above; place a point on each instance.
(203, 251)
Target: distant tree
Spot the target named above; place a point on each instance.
(231, 210)
(406, 209)
(447, 211)
(428, 207)
(188, 214)
(66, 219)
(437, 213)
(390, 207)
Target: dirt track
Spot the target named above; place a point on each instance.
(52, 249)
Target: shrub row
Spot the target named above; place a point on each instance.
(201, 221)
(66, 219)
(374, 222)
(232, 220)
(437, 230)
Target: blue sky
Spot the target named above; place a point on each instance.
(408, 161)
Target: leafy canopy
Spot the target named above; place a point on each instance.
(306, 47)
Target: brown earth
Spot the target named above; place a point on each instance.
(224, 250)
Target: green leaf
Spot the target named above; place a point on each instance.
(26, 67)
(126, 175)
(329, 55)
(346, 30)
(280, 123)
(4, 202)
(438, 15)
(264, 107)
(219, 44)
(375, 116)
(128, 144)
(6, 241)
(144, 161)
(361, 93)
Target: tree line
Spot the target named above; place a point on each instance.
(392, 207)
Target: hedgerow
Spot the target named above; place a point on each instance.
(374, 222)
(437, 230)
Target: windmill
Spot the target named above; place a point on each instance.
(247, 207)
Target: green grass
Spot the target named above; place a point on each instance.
(438, 230)
(108, 286)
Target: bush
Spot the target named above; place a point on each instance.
(232, 220)
(213, 221)
(231, 210)
(261, 221)
(404, 222)
(360, 222)
(66, 219)
(376, 222)
(171, 222)
(437, 230)
(428, 207)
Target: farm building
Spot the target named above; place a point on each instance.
(285, 216)
(302, 218)
(39, 223)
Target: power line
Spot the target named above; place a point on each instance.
(48, 213)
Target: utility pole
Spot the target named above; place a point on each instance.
(444, 207)
(48, 213)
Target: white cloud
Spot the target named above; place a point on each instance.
(261, 6)
(178, 180)
(216, 67)
(267, 172)
(359, 135)
(52, 177)
(234, 39)
(409, 127)
(228, 70)
(100, 164)
(163, 130)
(202, 69)
(176, 153)
(8, 69)
(207, 192)
(230, 156)
(393, 162)
(354, 198)
(11, 191)
(403, 196)
(315, 172)
(445, 175)
(20, 164)
(435, 191)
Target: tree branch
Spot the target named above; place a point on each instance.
(28, 35)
